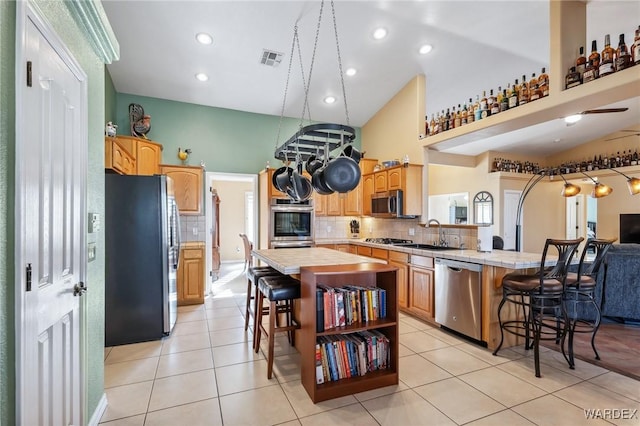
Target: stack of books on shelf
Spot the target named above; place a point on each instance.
(342, 306)
(351, 355)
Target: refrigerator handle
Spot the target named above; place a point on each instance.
(176, 212)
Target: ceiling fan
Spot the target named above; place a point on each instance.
(573, 119)
(635, 133)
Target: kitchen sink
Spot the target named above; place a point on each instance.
(424, 246)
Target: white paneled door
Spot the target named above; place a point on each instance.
(50, 210)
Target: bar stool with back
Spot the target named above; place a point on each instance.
(540, 297)
(579, 296)
(254, 273)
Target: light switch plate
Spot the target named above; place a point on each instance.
(94, 222)
(91, 252)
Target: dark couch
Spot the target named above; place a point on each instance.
(621, 298)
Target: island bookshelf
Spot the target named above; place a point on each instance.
(366, 275)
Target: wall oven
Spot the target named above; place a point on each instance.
(291, 223)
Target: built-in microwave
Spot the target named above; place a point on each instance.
(388, 204)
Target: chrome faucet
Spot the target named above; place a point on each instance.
(442, 242)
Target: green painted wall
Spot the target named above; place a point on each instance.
(110, 107)
(58, 15)
(226, 140)
(7, 171)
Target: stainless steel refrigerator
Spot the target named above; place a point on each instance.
(142, 239)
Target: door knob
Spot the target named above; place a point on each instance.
(79, 289)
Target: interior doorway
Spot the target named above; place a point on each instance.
(238, 213)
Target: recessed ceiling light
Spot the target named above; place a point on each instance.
(329, 99)
(351, 72)
(425, 48)
(380, 33)
(573, 118)
(202, 76)
(204, 38)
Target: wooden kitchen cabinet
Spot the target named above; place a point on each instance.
(187, 183)
(422, 288)
(401, 261)
(367, 192)
(148, 154)
(191, 274)
(380, 181)
(353, 204)
(117, 158)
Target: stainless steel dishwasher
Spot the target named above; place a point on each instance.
(458, 296)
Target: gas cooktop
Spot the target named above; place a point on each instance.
(385, 240)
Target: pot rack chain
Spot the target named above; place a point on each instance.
(313, 59)
(344, 92)
(286, 86)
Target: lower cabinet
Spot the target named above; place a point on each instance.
(401, 261)
(191, 274)
(421, 301)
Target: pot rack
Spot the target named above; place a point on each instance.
(314, 140)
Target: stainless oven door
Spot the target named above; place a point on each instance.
(291, 224)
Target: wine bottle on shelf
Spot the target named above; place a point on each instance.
(432, 125)
(543, 83)
(457, 121)
(635, 49)
(581, 61)
(523, 94)
(495, 106)
(623, 58)
(606, 58)
(594, 57)
(484, 102)
(477, 110)
(572, 79)
(534, 93)
(464, 115)
(499, 94)
(513, 98)
(490, 101)
(470, 112)
(504, 103)
(452, 118)
(590, 72)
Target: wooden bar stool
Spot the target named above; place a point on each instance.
(281, 292)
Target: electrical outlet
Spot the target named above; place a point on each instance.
(195, 231)
(412, 231)
(91, 252)
(328, 229)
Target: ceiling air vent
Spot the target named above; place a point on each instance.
(271, 58)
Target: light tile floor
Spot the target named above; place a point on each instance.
(205, 373)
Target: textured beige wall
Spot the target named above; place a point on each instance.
(394, 130)
(232, 214)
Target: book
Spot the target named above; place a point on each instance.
(319, 310)
(319, 374)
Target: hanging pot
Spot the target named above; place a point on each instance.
(318, 183)
(342, 174)
(352, 152)
(300, 184)
(281, 178)
(313, 164)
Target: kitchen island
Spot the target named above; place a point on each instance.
(327, 272)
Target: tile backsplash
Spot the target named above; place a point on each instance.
(192, 228)
(408, 229)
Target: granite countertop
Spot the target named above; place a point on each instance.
(290, 260)
(500, 258)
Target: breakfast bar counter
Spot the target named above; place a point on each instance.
(289, 260)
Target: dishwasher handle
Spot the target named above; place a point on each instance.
(457, 265)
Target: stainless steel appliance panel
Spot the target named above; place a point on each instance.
(291, 224)
(141, 245)
(458, 296)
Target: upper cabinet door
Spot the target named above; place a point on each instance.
(187, 183)
(148, 157)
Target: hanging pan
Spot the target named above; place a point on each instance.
(300, 184)
(342, 174)
(281, 178)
